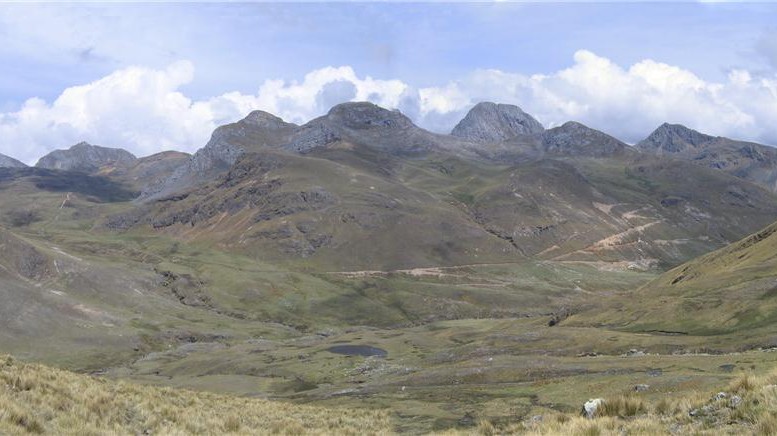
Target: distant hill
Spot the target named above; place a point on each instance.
(9, 162)
(86, 158)
(750, 161)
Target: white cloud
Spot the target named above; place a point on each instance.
(136, 108)
(144, 110)
(628, 102)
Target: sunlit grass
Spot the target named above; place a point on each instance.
(36, 399)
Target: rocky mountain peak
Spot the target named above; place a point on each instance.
(365, 115)
(491, 122)
(85, 157)
(264, 120)
(673, 138)
(9, 162)
(83, 145)
(575, 139)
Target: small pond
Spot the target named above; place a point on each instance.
(358, 350)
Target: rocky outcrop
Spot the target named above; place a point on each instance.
(489, 122)
(9, 162)
(227, 144)
(313, 135)
(86, 158)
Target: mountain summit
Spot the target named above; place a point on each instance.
(491, 122)
(364, 115)
(673, 138)
(747, 160)
(575, 139)
(9, 162)
(86, 158)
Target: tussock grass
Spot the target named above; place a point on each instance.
(623, 407)
(35, 399)
(748, 406)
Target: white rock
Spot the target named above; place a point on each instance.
(591, 407)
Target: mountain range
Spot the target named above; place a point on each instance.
(237, 268)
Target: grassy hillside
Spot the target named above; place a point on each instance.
(747, 405)
(37, 399)
(728, 291)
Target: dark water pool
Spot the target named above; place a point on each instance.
(358, 350)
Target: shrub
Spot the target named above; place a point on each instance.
(21, 218)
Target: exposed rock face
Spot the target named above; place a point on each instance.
(575, 139)
(489, 122)
(673, 138)
(9, 162)
(227, 144)
(314, 134)
(86, 158)
(363, 115)
(361, 123)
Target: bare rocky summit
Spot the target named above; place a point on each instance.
(747, 160)
(86, 158)
(9, 162)
(490, 122)
(575, 139)
(674, 138)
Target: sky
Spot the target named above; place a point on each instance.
(150, 77)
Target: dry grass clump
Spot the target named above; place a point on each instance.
(623, 407)
(747, 406)
(35, 399)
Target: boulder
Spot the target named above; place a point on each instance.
(591, 407)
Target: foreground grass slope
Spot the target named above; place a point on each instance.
(39, 399)
(748, 405)
(35, 399)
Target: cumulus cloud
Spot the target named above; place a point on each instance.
(145, 111)
(136, 108)
(626, 102)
